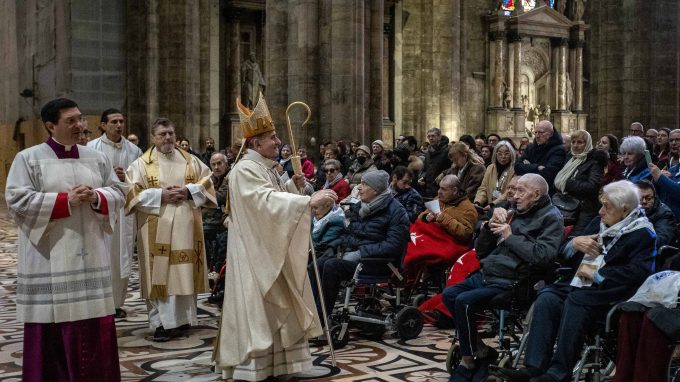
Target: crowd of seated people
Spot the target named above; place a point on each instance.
(500, 192)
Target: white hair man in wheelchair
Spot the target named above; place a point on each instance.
(508, 246)
(625, 240)
(381, 230)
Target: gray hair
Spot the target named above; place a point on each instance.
(674, 131)
(219, 155)
(623, 195)
(435, 130)
(333, 162)
(450, 180)
(513, 154)
(536, 182)
(633, 145)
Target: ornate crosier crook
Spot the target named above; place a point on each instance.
(295, 159)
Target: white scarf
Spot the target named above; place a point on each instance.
(319, 224)
(569, 168)
(634, 221)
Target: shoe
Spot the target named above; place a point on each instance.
(486, 357)
(462, 374)
(120, 313)
(520, 375)
(544, 378)
(161, 335)
(217, 298)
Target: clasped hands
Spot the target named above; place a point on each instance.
(82, 194)
(432, 216)
(500, 222)
(174, 194)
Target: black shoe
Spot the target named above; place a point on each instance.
(161, 335)
(462, 374)
(520, 375)
(120, 313)
(217, 298)
(485, 357)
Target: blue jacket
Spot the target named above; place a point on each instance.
(412, 202)
(669, 190)
(383, 234)
(332, 230)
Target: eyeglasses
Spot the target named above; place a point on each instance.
(331, 170)
(538, 132)
(650, 136)
(674, 140)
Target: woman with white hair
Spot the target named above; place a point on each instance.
(633, 156)
(497, 175)
(580, 178)
(623, 240)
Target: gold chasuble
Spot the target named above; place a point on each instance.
(269, 311)
(170, 238)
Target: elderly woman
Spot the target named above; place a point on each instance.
(614, 170)
(623, 240)
(362, 164)
(328, 224)
(633, 157)
(581, 177)
(497, 175)
(334, 178)
(467, 166)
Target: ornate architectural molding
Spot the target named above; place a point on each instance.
(496, 35)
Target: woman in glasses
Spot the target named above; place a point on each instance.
(334, 178)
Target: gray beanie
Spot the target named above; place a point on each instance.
(377, 180)
(365, 149)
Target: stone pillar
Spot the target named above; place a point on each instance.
(398, 62)
(497, 67)
(276, 66)
(375, 61)
(562, 75)
(233, 16)
(515, 41)
(578, 78)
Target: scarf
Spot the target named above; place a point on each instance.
(634, 221)
(375, 204)
(331, 183)
(319, 224)
(569, 169)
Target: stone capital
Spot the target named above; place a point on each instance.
(514, 36)
(559, 41)
(496, 35)
(576, 43)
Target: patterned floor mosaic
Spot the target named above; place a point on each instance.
(189, 358)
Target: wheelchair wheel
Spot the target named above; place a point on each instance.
(674, 366)
(409, 323)
(453, 358)
(418, 299)
(338, 342)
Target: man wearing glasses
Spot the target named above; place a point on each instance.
(637, 129)
(657, 212)
(545, 156)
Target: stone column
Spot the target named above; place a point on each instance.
(562, 75)
(577, 80)
(375, 61)
(515, 41)
(276, 65)
(497, 67)
(397, 75)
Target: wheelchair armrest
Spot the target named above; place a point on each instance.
(610, 315)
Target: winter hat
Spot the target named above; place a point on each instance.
(379, 142)
(377, 180)
(365, 149)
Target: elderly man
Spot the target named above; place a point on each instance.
(508, 246)
(620, 254)
(121, 154)
(651, 134)
(436, 161)
(269, 309)
(637, 130)
(545, 156)
(65, 200)
(381, 230)
(168, 187)
(667, 181)
(658, 213)
(457, 214)
(213, 218)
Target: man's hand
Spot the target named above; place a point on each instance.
(81, 194)
(500, 215)
(656, 171)
(432, 216)
(586, 273)
(421, 181)
(540, 168)
(587, 244)
(526, 162)
(320, 197)
(299, 181)
(501, 229)
(120, 173)
(174, 195)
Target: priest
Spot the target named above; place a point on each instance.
(65, 199)
(269, 312)
(121, 154)
(168, 187)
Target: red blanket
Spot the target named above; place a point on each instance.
(431, 245)
(464, 266)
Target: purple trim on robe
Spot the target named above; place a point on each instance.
(60, 150)
(78, 351)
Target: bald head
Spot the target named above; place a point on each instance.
(535, 182)
(218, 164)
(530, 189)
(543, 131)
(449, 189)
(450, 181)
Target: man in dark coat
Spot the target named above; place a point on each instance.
(381, 230)
(436, 161)
(658, 213)
(545, 157)
(508, 245)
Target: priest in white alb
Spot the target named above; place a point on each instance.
(168, 187)
(65, 199)
(269, 312)
(121, 154)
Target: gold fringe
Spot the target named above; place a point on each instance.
(158, 291)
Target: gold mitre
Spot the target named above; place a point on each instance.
(257, 121)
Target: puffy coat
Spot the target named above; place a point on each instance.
(669, 190)
(356, 171)
(663, 220)
(535, 240)
(436, 161)
(412, 202)
(383, 234)
(550, 155)
(584, 184)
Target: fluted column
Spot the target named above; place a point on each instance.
(515, 41)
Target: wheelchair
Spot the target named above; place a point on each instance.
(508, 315)
(381, 305)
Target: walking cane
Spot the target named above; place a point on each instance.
(297, 168)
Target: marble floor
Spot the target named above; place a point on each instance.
(189, 358)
